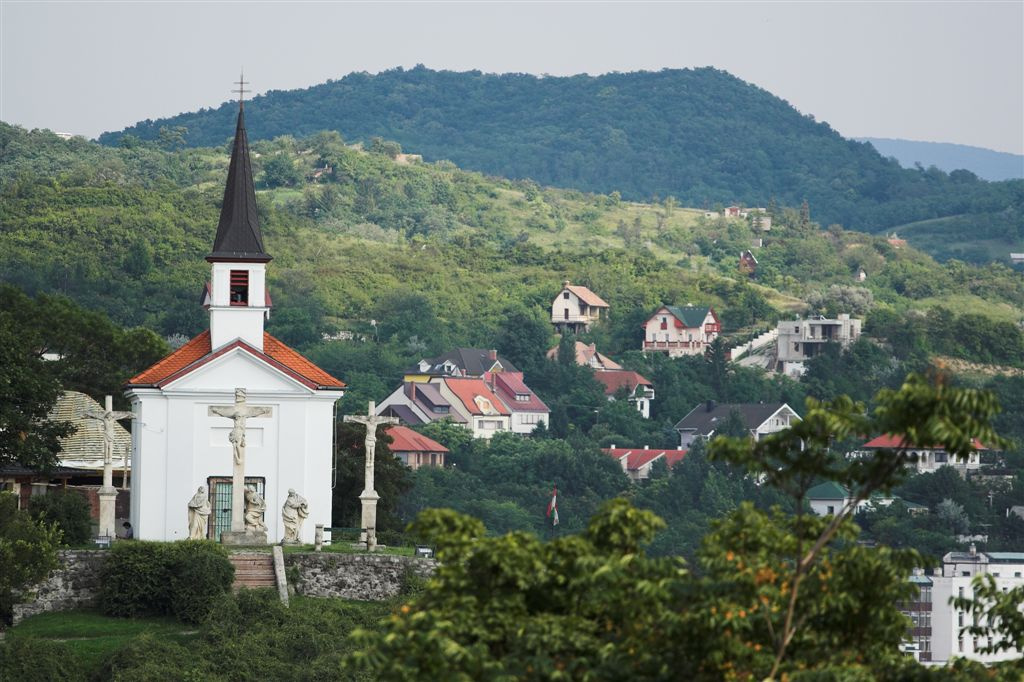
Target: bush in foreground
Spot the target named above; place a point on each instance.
(70, 511)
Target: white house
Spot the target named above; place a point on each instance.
(829, 498)
(636, 463)
(576, 308)
(639, 390)
(759, 419)
(179, 447)
(928, 458)
(801, 340)
(937, 634)
(526, 408)
(681, 330)
(479, 409)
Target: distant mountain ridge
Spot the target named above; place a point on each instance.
(987, 164)
(700, 135)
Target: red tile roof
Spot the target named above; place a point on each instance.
(615, 379)
(467, 390)
(404, 439)
(197, 352)
(889, 440)
(588, 296)
(585, 353)
(638, 457)
(508, 384)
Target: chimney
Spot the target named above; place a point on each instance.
(647, 447)
(974, 550)
(613, 446)
(710, 406)
(565, 284)
(410, 390)
(492, 354)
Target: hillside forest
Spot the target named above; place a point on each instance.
(414, 258)
(701, 136)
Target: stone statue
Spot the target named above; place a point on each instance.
(254, 508)
(369, 496)
(108, 418)
(198, 514)
(238, 413)
(293, 513)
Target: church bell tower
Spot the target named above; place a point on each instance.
(237, 295)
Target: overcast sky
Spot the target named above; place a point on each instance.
(939, 71)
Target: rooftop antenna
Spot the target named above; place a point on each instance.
(241, 83)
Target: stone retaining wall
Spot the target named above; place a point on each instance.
(74, 584)
(366, 577)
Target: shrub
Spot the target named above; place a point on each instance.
(180, 579)
(148, 657)
(37, 660)
(28, 550)
(70, 511)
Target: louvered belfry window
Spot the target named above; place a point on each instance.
(240, 287)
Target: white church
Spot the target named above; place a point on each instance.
(179, 446)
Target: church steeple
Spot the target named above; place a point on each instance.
(238, 232)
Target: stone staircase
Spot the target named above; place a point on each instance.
(253, 569)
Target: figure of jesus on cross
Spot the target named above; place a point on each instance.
(369, 496)
(238, 413)
(107, 418)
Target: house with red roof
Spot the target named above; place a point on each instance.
(474, 401)
(638, 390)
(681, 330)
(182, 449)
(414, 449)
(576, 308)
(637, 462)
(587, 355)
(526, 408)
(928, 458)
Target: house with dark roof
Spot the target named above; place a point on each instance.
(526, 408)
(417, 402)
(759, 419)
(638, 390)
(830, 498)
(681, 330)
(926, 458)
(636, 463)
(461, 362)
(576, 308)
(414, 449)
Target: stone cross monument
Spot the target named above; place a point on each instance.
(369, 496)
(108, 493)
(238, 413)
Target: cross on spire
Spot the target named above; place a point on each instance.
(241, 83)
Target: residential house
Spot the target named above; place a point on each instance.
(636, 462)
(733, 212)
(588, 356)
(480, 408)
(414, 449)
(526, 408)
(639, 390)
(416, 402)
(830, 498)
(895, 241)
(759, 419)
(461, 362)
(861, 275)
(763, 223)
(1017, 258)
(941, 638)
(681, 330)
(748, 263)
(801, 340)
(928, 458)
(576, 308)
(26, 482)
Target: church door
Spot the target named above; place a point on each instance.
(220, 501)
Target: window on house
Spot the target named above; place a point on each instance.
(565, 295)
(239, 287)
(522, 397)
(566, 313)
(831, 509)
(796, 347)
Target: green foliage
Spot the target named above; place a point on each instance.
(680, 126)
(69, 510)
(392, 479)
(997, 615)
(180, 579)
(28, 550)
(38, 660)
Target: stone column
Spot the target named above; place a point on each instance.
(107, 492)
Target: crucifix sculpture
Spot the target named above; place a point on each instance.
(369, 496)
(108, 493)
(238, 414)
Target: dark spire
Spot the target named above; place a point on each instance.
(238, 232)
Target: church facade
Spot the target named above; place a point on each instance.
(179, 446)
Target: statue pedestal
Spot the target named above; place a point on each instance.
(368, 536)
(108, 496)
(245, 537)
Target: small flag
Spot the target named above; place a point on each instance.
(553, 507)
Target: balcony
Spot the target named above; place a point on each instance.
(673, 345)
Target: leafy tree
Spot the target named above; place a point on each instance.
(392, 479)
(280, 171)
(28, 550)
(68, 510)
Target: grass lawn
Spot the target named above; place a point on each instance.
(92, 637)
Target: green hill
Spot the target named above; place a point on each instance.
(436, 255)
(701, 136)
